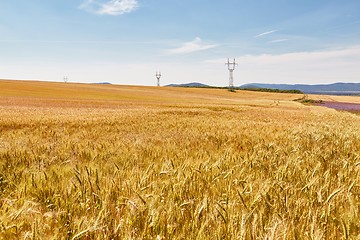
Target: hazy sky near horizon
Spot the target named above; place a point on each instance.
(127, 41)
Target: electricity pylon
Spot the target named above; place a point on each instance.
(158, 76)
(231, 68)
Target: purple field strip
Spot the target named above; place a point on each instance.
(341, 106)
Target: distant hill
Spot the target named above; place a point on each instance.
(332, 89)
(103, 83)
(193, 84)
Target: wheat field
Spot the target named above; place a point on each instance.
(87, 161)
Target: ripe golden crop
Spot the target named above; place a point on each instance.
(84, 161)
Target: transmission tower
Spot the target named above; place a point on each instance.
(231, 68)
(66, 79)
(158, 76)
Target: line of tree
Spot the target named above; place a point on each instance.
(295, 91)
(273, 90)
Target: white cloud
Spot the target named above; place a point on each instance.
(86, 4)
(265, 33)
(112, 7)
(190, 47)
(118, 7)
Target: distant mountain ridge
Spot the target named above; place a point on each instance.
(335, 88)
(103, 83)
(192, 84)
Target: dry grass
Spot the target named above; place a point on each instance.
(119, 162)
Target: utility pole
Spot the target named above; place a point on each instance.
(231, 68)
(158, 76)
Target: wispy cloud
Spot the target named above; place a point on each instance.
(319, 66)
(112, 7)
(328, 66)
(278, 40)
(265, 33)
(192, 46)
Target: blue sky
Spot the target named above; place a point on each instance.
(127, 41)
